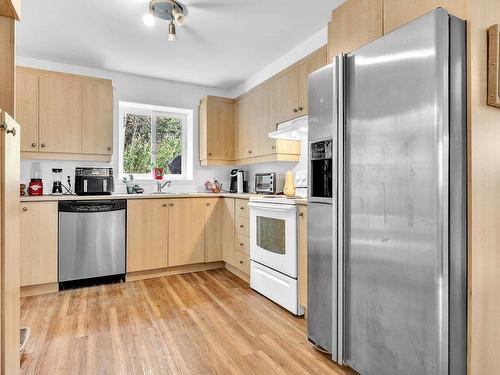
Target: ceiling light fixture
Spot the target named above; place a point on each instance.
(148, 19)
(169, 10)
(172, 36)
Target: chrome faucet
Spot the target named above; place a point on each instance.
(160, 185)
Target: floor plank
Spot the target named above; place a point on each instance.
(201, 323)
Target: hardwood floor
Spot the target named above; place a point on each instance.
(198, 323)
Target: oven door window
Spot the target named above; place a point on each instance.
(271, 234)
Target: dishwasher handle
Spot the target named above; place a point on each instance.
(93, 206)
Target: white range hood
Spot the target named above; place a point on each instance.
(295, 130)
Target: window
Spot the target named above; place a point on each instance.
(154, 136)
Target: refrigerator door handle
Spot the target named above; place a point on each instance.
(340, 207)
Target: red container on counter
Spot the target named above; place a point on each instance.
(35, 187)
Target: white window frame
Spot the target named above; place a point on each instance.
(185, 115)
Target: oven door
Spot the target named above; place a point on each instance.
(273, 236)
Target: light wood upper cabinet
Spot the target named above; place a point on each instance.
(147, 231)
(214, 213)
(10, 9)
(303, 256)
(312, 63)
(186, 233)
(329, 45)
(242, 129)
(60, 114)
(284, 96)
(39, 243)
(216, 122)
(97, 117)
(27, 107)
(64, 116)
(354, 24)
(258, 112)
(399, 12)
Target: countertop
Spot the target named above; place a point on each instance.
(48, 198)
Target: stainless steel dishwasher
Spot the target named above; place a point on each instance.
(91, 241)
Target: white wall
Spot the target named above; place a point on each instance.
(141, 90)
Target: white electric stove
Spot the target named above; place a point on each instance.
(274, 249)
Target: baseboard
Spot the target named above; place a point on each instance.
(150, 274)
(238, 273)
(35, 290)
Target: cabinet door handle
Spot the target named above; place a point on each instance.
(25, 209)
(208, 203)
(242, 226)
(242, 208)
(164, 205)
(295, 110)
(209, 154)
(273, 147)
(300, 108)
(109, 148)
(43, 145)
(241, 243)
(241, 262)
(171, 205)
(33, 144)
(301, 214)
(249, 151)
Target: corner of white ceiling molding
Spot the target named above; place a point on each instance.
(305, 48)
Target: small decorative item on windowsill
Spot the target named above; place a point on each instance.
(129, 183)
(213, 187)
(158, 173)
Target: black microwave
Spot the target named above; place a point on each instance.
(94, 181)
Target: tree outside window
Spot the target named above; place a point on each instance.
(152, 139)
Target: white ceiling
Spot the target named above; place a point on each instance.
(223, 43)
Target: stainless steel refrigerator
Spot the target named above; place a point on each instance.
(398, 273)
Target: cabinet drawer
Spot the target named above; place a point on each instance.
(242, 225)
(242, 208)
(242, 243)
(241, 261)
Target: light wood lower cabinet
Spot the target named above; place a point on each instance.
(237, 254)
(214, 212)
(161, 233)
(242, 262)
(242, 225)
(228, 228)
(39, 243)
(147, 231)
(186, 231)
(303, 256)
